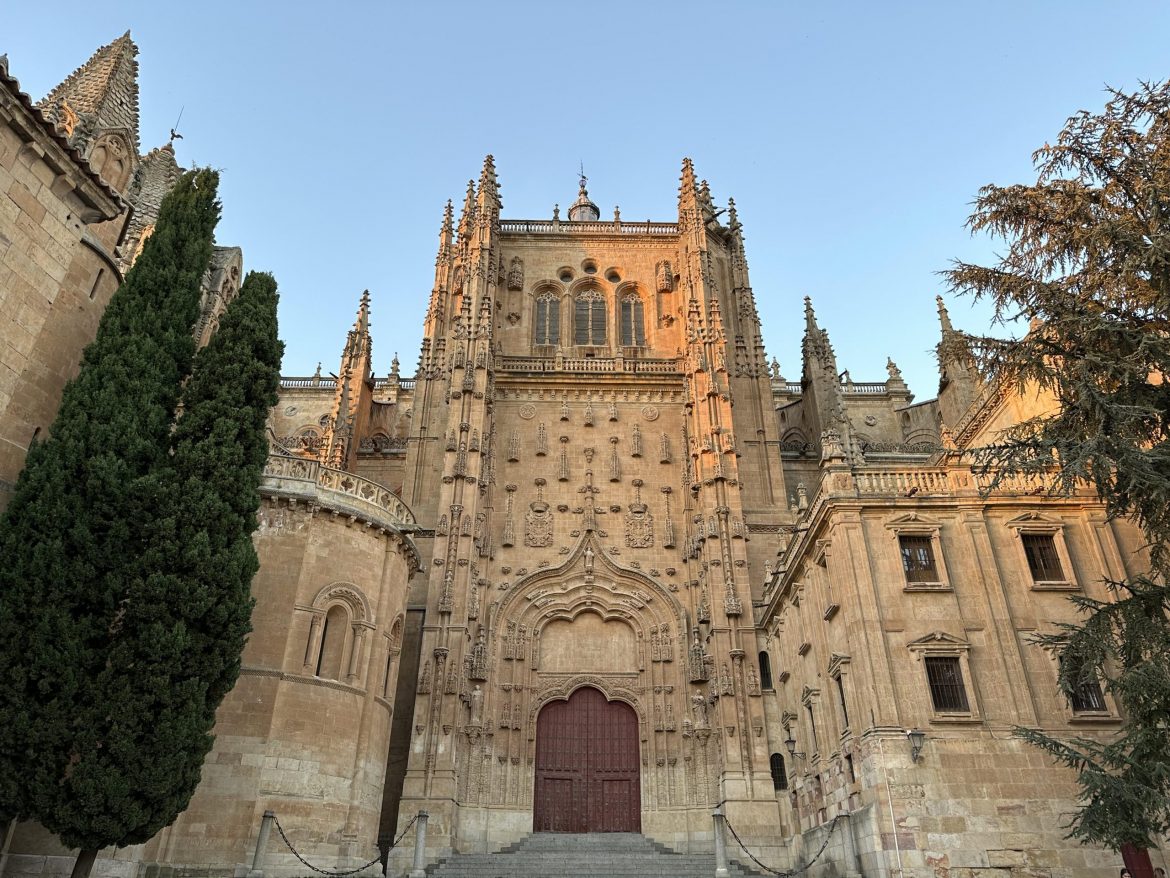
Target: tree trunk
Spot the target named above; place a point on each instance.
(83, 865)
(1137, 860)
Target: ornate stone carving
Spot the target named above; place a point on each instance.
(663, 277)
(541, 440)
(516, 274)
(639, 521)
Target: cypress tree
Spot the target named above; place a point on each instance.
(73, 538)
(175, 650)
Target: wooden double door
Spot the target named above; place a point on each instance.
(587, 766)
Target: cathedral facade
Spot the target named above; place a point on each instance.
(599, 566)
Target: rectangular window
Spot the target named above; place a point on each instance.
(97, 282)
(841, 697)
(1086, 695)
(918, 558)
(1043, 561)
(945, 677)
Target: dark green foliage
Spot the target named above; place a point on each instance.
(1126, 781)
(1088, 264)
(175, 650)
(127, 554)
(70, 539)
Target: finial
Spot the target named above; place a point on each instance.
(394, 365)
(556, 212)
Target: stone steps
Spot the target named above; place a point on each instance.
(583, 855)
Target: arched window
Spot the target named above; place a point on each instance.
(333, 642)
(779, 775)
(548, 319)
(632, 331)
(765, 671)
(589, 318)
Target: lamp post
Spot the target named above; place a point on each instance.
(790, 745)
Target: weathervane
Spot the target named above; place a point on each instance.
(175, 135)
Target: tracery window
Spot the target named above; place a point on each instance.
(548, 319)
(633, 332)
(589, 318)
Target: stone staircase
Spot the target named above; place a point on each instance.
(583, 855)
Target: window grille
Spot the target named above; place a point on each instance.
(918, 559)
(945, 677)
(1086, 695)
(1043, 561)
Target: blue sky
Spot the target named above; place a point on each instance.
(852, 136)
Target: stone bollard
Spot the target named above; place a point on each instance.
(257, 870)
(420, 846)
(720, 845)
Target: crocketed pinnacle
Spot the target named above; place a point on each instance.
(102, 93)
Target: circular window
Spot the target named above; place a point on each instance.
(566, 275)
(612, 276)
(589, 266)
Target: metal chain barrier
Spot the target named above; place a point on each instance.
(376, 859)
(832, 825)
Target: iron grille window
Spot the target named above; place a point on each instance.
(1086, 695)
(779, 775)
(918, 559)
(765, 671)
(632, 331)
(589, 319)
(1043, 562)
(548, 320)
(945, 676)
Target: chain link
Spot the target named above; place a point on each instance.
(361, 868)
(790, 873)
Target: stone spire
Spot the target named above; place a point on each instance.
(354, 391)
(446, 232)
(944, 318)
(156, 176)
(100, 94)
(467, 215)
(689, 213)
(488, 202)
(958, 380)
(584, 210)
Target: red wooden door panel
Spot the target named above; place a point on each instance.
(587, 766)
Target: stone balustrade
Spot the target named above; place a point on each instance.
(335, 489)
(560, 227)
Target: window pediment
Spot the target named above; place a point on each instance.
(938, 641)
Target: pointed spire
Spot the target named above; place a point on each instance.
(944, 318)
(688, 195)
(489, 188)
(467, 216)
(810, 316)
(102, 93)
(446, 234)
(362, 324)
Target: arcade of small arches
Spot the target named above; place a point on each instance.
(581, 312)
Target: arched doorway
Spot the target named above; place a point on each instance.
(587, 766)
